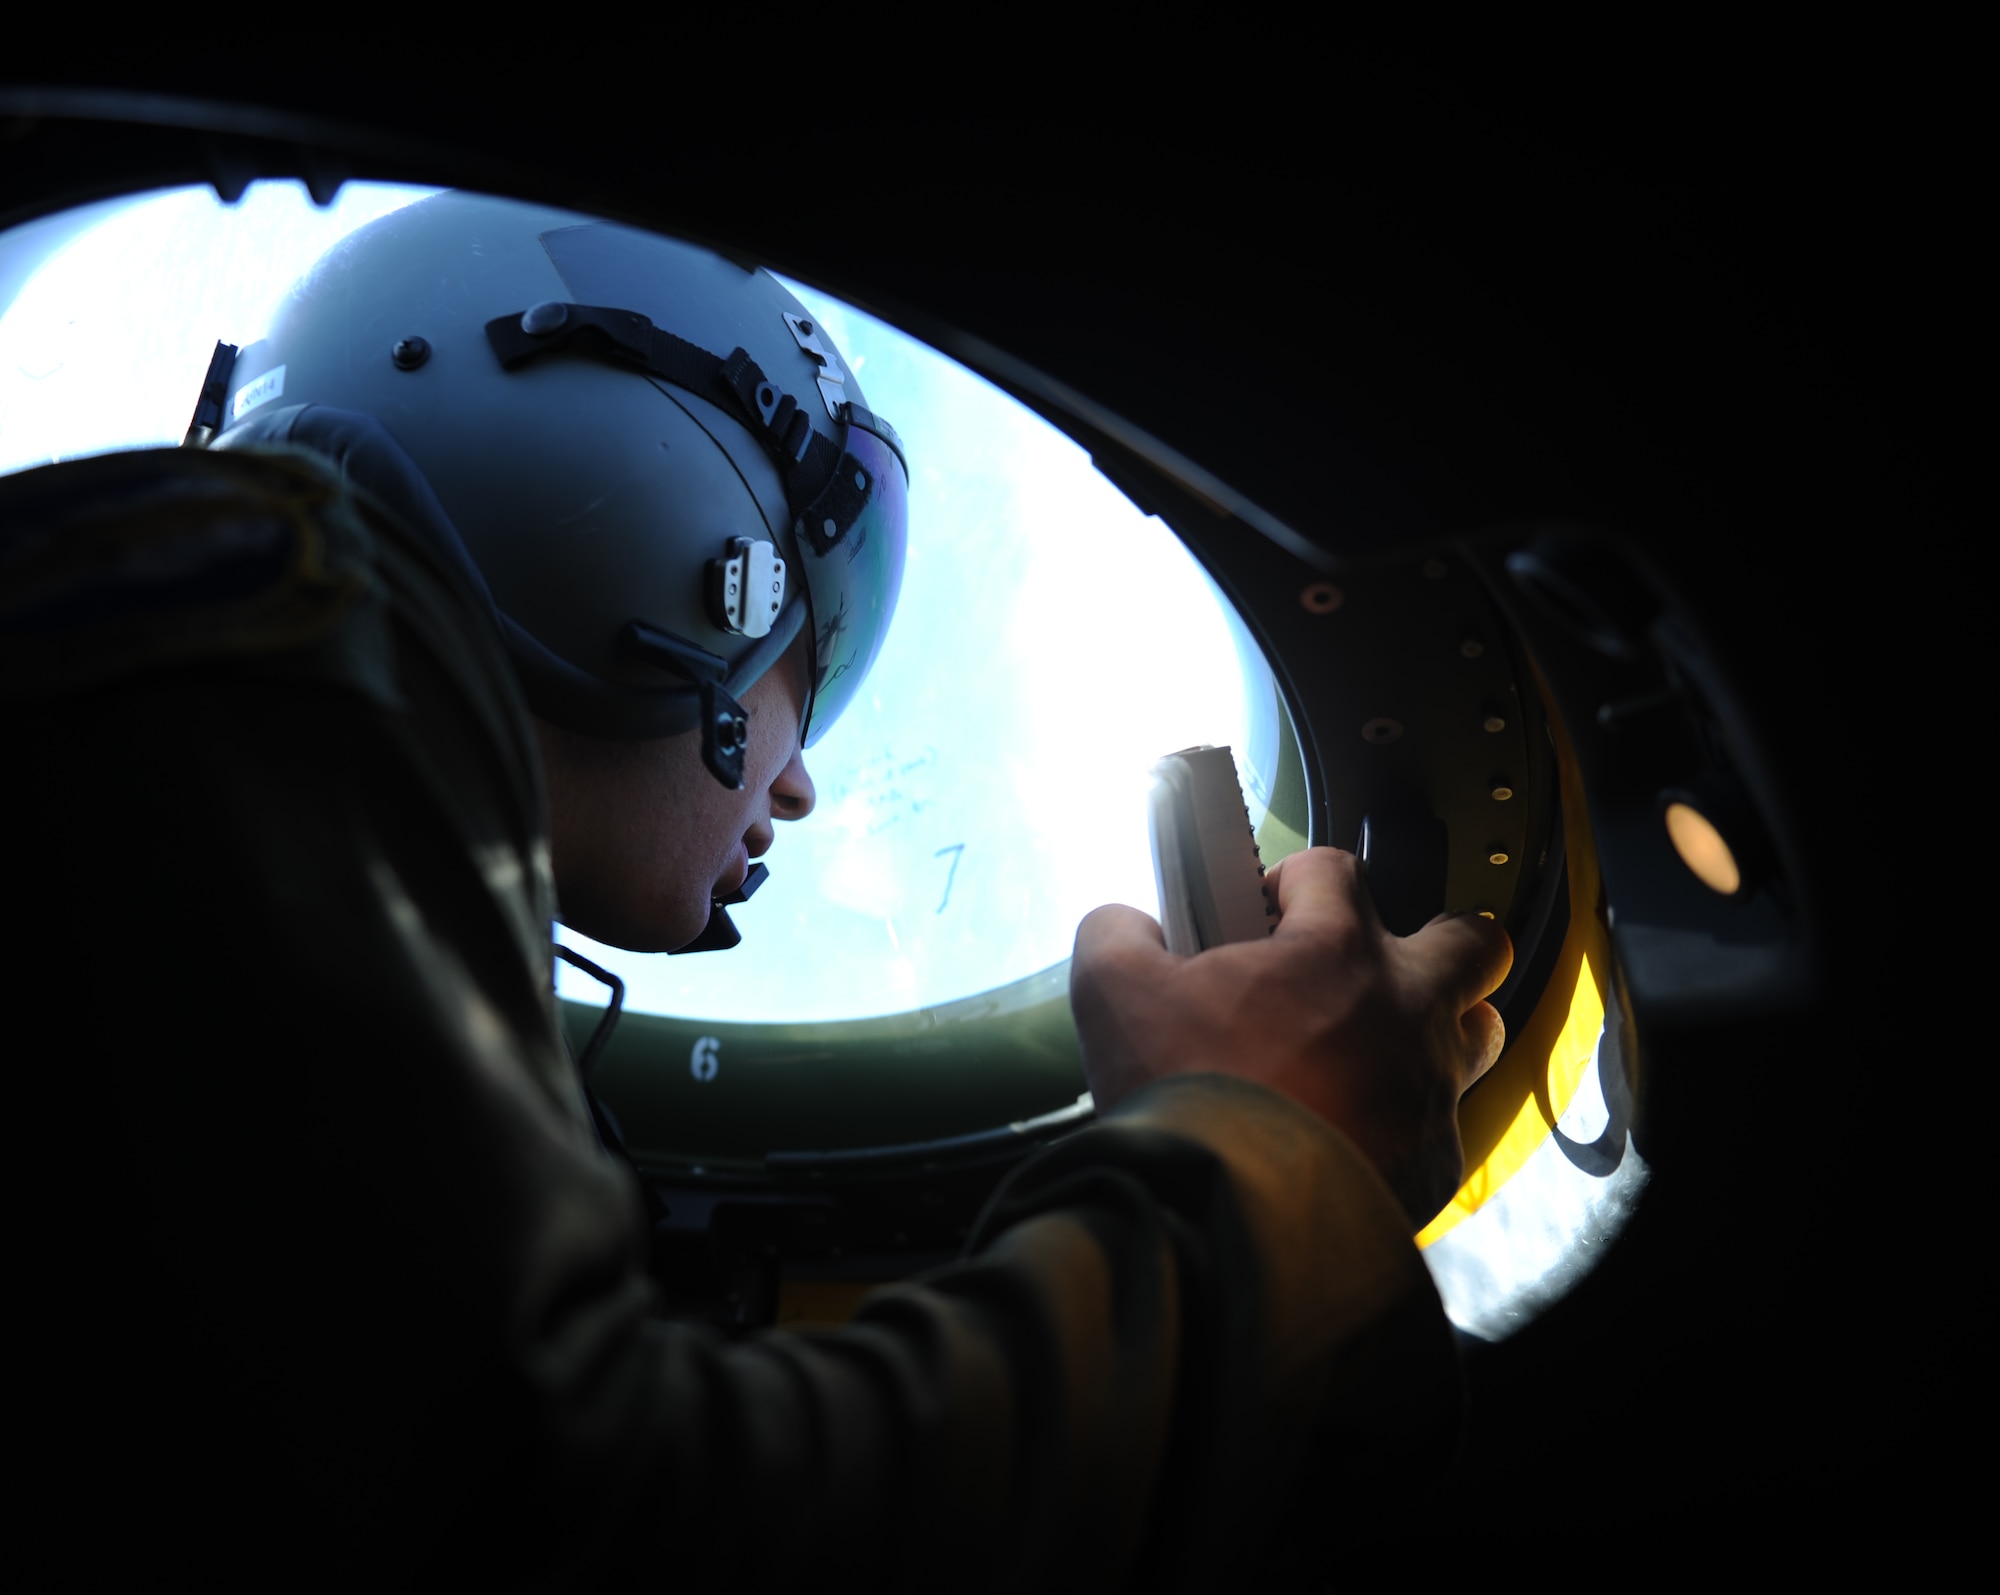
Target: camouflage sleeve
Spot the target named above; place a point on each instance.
(330, 1275)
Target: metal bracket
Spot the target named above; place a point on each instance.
(746, 588)
(208, 403)
(832, 383)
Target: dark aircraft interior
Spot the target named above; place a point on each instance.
(1512, 423)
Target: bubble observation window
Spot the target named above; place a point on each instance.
(983, 793)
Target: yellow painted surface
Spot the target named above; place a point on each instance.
(1562, 1070)
(1511, 1111)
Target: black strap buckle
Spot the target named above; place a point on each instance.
(725, 734)
(725, 723)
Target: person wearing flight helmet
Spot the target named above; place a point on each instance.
(529, 554)
(665, 478)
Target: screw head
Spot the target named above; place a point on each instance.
(1380, 731)
(1502, 791)
(1472, 647)
(538, 321)
(1497, 856)
(409, 353)
(1494, 722)
(1322, 598)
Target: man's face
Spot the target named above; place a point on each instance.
(644, 837)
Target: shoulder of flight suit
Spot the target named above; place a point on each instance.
(344, 1221)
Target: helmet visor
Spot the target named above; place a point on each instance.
(851, 545)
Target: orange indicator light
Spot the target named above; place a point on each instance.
(1703, 850)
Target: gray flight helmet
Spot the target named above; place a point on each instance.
(657, 460)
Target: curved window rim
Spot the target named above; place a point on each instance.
(996, 1011)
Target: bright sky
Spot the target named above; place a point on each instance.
(987, 788)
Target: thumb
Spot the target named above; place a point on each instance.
(1465, 956)
(1116, 932)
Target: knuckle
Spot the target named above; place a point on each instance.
(1346, 945)
(1337, 864)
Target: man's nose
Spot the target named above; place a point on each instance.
(793, 794)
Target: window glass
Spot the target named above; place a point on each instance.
(985, 790)
(109, 335)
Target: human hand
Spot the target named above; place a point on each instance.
(1377, 1034)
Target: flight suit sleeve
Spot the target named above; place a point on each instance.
(1188, 1346)
(332, 1268)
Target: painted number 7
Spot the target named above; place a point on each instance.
(957, 851)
